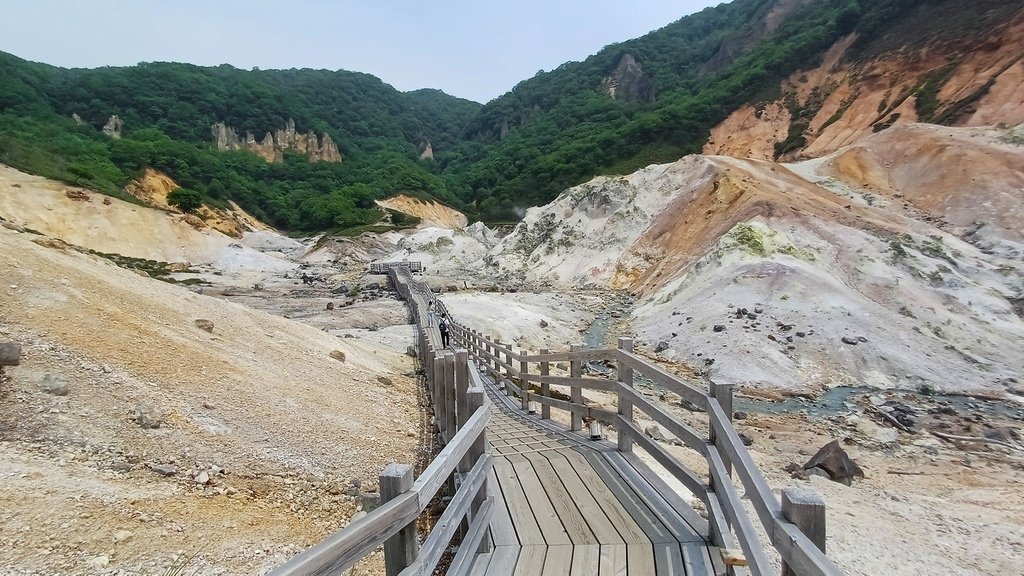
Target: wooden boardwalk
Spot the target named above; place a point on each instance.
(567, 505)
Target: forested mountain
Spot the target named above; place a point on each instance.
(167, 111)
(651, 99)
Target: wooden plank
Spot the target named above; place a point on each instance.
(759, 492)
(640, 559)
(525, 523)
(613, 560)
(582, 382)
(603, 528)
(467, 550)
(577, 410)
(564, 502)
(686, 476)
(586, 560)
(680, 530)
(339, 551)
(800, 553)
(669, 560)
(480, 562)
(685, 511)
(502, 530)
(738, 519)
(646, 519)
(503, 561)
(570, 460)
(448, 523)
(568, 356)
(543, 510)
(696, 559)
(666, 420)
(441, 467)
(668, 381)
(558, 561)
(531, 561)
(401, 549)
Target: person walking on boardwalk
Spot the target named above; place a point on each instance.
(442, 327)
(430, 313)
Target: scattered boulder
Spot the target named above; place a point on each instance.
(368, 501)
(739, 415)
(163, 469)
(338, 355)
(661, 347)
(148, 416)
(410, 351)
(330, 305)
(122, 536)
(655, 433)
(205, 325)
(850, 340)
(385, 381)
(543, 324)
(10, 354)
(718, 328)
(202, 477)
(53, 384)
(747, 440)
(77, 195)
(836, 462)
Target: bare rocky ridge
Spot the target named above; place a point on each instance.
(272, 147)
(845, 100)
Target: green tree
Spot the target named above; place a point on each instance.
(81, 172)
(188, 201)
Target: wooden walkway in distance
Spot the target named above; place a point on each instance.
(567, 505)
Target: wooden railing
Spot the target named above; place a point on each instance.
(459, 471)
(795, 526)
(385, 267)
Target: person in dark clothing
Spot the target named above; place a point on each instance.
(443, 328)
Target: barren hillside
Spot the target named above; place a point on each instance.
(870, 267)
(151, 426)
(966, 82)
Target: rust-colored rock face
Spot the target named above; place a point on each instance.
(974, 82)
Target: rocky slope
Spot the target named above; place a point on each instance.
(867, 267)
(429, 212)
(271, 148)
(972, 81)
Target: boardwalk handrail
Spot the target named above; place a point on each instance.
(461, 415)
(721, 447)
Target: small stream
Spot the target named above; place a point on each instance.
(838, 400)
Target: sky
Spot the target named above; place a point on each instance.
(475, 49)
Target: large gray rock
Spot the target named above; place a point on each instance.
(10, 354)
(148, 416)
(833, 459)
(53, 384)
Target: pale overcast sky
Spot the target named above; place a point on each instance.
(475, 49)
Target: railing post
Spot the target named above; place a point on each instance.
(722, 393)
(575, 392)
(448, 395)
(435, 392)
(401, 549)
(475, 399)
(461, 386)
(804, 508)
(545, 388)
(524, 385)
(625, 378)
(508, 370)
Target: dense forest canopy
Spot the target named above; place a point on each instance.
(548, 133)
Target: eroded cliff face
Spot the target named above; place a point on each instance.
(975, 82)
(629, 83)
(271, 148)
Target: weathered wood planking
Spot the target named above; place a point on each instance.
(525, 523)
